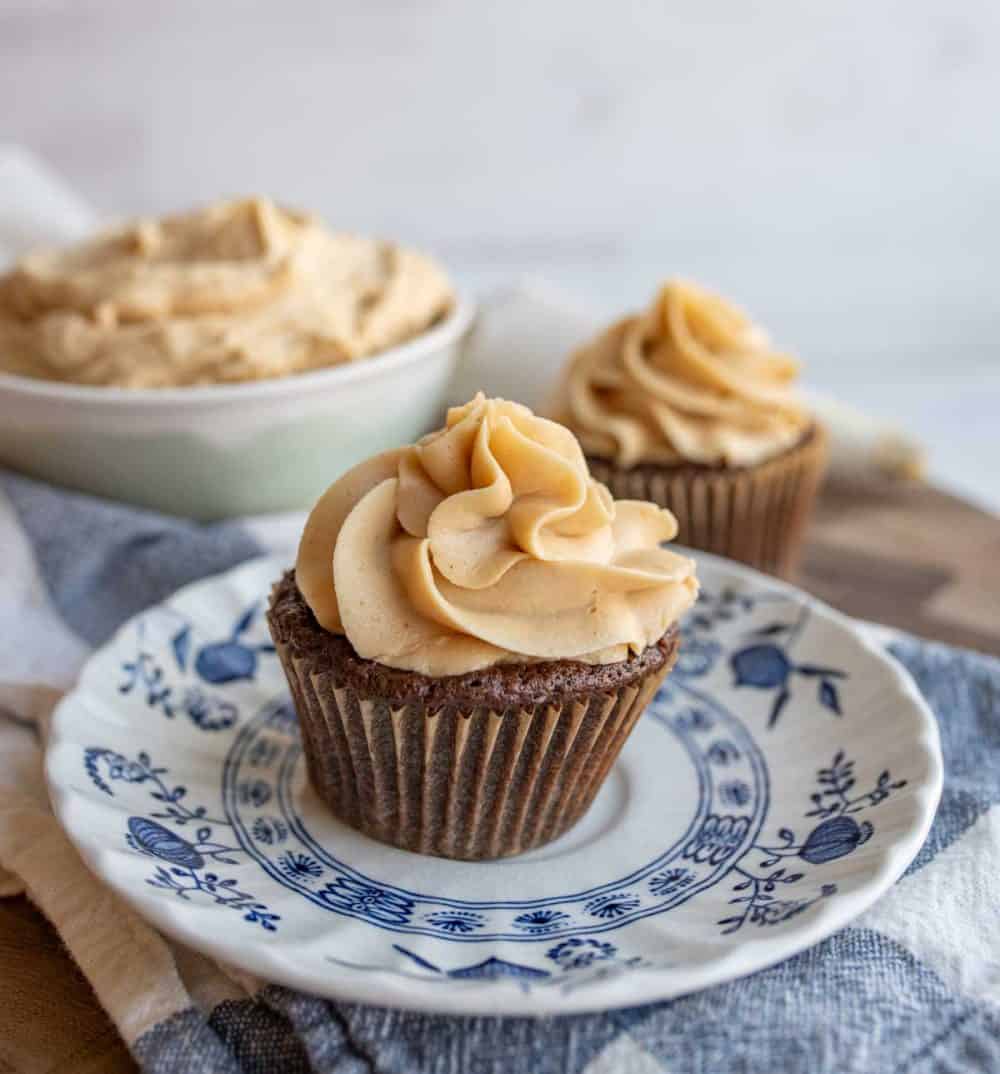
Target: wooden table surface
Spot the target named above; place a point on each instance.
(917, 559)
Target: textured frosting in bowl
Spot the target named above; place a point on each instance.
(690, 379)
(488, 542)
(241, 290)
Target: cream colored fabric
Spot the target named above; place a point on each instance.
(238, 291)
(140, 979)
(486, 542)
(689, 380)
(127, 963)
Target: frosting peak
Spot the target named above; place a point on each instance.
(691, 379)
(488, 542)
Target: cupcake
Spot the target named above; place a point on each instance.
(471, 631)
(689, 406)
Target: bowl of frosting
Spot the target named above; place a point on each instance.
(223, 361)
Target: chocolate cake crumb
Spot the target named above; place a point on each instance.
(499, 687)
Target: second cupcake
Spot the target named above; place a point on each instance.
(472, 629)
(688, 405)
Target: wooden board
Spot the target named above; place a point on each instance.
(50, 1022)
(917, 559)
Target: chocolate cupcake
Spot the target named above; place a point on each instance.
(471, 631)
(688, 405)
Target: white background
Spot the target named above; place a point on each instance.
(834, 167)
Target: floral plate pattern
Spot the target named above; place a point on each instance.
(782, 779)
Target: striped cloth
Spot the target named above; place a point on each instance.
(914, 985)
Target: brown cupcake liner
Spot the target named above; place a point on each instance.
(468, 785)
(757, 514)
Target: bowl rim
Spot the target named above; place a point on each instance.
(454, 326)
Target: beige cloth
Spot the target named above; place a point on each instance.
(139, 977)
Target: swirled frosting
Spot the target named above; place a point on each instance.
(691, 379)
(488, 542)
(242, 290)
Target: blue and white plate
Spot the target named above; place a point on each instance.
(781, 781)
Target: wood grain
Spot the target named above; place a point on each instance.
(917, 559)
(50, 1022)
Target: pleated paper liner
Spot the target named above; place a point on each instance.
(757, 514)
(470, 785)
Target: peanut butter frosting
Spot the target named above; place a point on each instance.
(242, 290)
(691, 379)
(489, 542)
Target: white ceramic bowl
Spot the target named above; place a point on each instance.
(225, 450)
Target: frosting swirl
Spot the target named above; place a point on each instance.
(489, 542)
(242, 290)
(691, 379)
